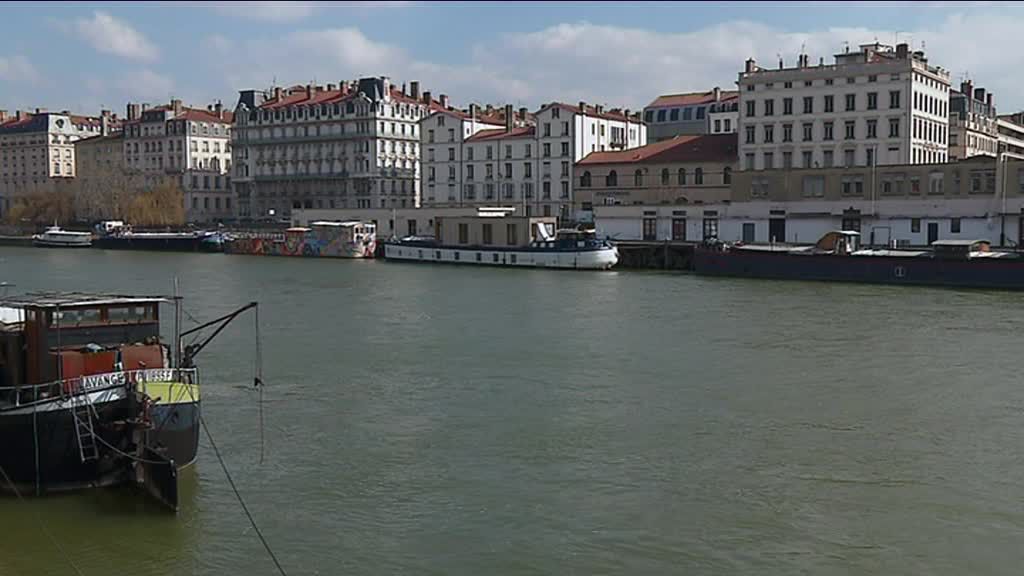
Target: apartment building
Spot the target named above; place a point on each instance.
(177, 144)
(37, 149)
(878, 105)
(1010, 133)
(973, 120)
(711, 112)
(683, 171)
(443, 133)
(528, 161)
(347, 145)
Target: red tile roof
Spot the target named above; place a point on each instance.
(700, 148)
(496, 118)
(692, 98)
(613, 114)
(501, 134)
(200, 115)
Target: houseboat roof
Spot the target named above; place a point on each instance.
(74, 300)
(346, 224)
(959, 242)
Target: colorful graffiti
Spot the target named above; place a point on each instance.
(318, 241)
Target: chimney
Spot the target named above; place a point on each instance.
(330, 87)
(132, 111)
(343, 86)
(979, 94)
(105, 123)
(780, 63)
(414, 90)
(385, 87)
(310, 90)
(821, 61)
(583, 107)
(19, 115)
(902, 50)
(176, 106)
(522, 114)
(426, 97)
(988, 99)
(717, 93)
(277, 92)
(750, 65)
(403, 88)
(40, 110)
(218, 108)
(489, 110)
(145, 106)
(444, 101)
(508, 117)
(3, 115)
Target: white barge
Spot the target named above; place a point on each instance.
(497, 238)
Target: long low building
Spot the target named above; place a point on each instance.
(911, 205)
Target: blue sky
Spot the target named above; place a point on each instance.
(84, 56)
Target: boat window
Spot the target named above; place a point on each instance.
(495, 257)
(66, 318)
(130, 314)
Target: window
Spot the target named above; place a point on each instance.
(769, 134)
(848, 158)
(508, 170)
(512, 234)
(748, 161)
(664, 176)
(750, 108)
(759, 187)
(787, 160)
(490, 153)
(727, 175)
(787, 132)
(814, 186)
(638, 178)
(698, 176)
(869, 156)
(769, 107)
(451, 154)
(915, 185)
(851, 102)
(565, 190)
(710, 228)
(850, 129)
(585, 180)
(808, 104)
(687, 113)
(650, 229)
(661, 118)
(565, 148)
(547, 125)
(787, 105)
(612, 179)
(718, 125)
(547, 149)
(894, 99)
(679, 229)
(673, 116)
(470, 171)
(682, 177)
(769, 161)
(808, 131)
(853, 186)
(648, 116)
(872, 100)
(830, 103)
(954, 226)
(488, 234)
(700, 112)
(872, 128)
(894, 127)
(915, 225)
(828, 131)
(750, 134)
(527, 170)
(935, 182)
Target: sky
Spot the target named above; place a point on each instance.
(87, 56)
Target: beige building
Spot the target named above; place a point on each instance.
(681, 171)
(101, 178)
(37, 149)
(973, 128)
(190, 147)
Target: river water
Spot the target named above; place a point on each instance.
(443, 420)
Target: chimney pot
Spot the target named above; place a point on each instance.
(3, 115)
(444, 101)
(508, 118)
(583, 107)
(750, 65)
(989, 99)
(426, 97)
(330, 87)
(717, 93)
(522, 114)
(979, 94)
(343, 86)
(414, 90)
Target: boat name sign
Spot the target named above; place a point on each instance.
(112, 379)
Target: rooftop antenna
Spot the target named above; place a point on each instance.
(846, 46)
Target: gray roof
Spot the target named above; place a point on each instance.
(74, 299)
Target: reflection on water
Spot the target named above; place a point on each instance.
(453, 420)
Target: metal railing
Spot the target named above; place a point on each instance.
(67, 388)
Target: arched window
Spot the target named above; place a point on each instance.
(612, 179)
(698, 176)
(727, 175)
(664, 177)
(682, 176)
(585, 180)
(638, 178)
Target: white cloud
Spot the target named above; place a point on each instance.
(272, 11)
(112, 36)
(146, 85)
(621, 66)
(17, 68)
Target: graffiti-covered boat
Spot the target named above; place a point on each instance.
(327, 239)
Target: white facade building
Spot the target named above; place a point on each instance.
(529, 161)
(190, 146)
(1010, 130)
(878, 105)
(972, 123)
(351, 145)
(442, 135)
(37, 149)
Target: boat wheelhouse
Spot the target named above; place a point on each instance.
(91, 395)
(499, 238)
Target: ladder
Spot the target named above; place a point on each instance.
(85, 432)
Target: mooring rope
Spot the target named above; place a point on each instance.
(258, 377)
(42, 525)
